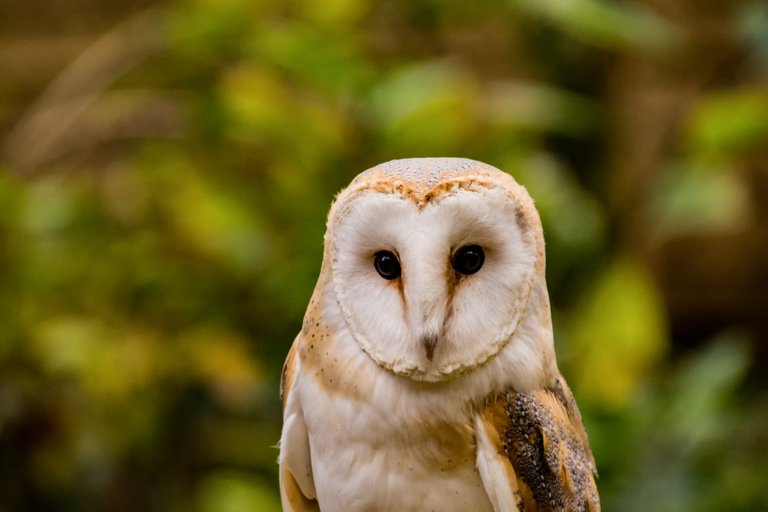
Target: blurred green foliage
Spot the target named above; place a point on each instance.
(163, 207)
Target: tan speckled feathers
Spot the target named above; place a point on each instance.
(431, 178)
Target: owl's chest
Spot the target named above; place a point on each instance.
(364, 458)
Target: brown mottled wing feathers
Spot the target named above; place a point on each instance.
(542, 435)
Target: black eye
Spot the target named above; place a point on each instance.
(386, 265)
(468, 260)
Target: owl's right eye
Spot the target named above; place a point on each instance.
(387, 265)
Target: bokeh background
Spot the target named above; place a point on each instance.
(165, 172)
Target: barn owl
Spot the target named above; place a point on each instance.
(424, 376)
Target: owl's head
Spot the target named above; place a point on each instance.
(432, 263)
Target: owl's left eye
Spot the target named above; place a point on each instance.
(387, 265)
(468, 259)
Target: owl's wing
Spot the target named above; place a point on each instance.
(297, 486)
(533, 453)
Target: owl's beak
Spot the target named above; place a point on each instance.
(428, 341)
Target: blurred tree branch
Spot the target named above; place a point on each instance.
(60, 117)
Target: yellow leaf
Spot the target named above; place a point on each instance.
(618, 334)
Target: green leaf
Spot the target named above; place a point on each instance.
(728, 123)
(605, 24)
(704, 387)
